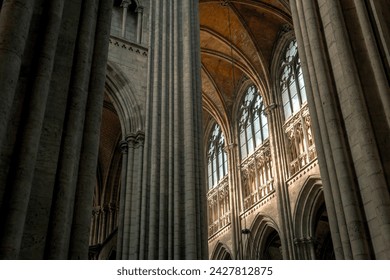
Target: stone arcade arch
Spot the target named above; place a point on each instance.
(262, 240)
(122, 126)
(311, 231)
(221, 252)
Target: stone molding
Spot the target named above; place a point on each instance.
(130, 46)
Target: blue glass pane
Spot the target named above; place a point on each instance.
(243, 151)
(295, 103)
(250, 145)
(302, 86)
(210, 181)
(225, 164)
(265, 131)
(242, 138)
(285, 97)
(258, 138)
(215, 177)
(287, 110)
(248, 132)
(256, 124)
(263, 119)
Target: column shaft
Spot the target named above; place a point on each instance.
(124, 149)
(128, 195)
(349, 199)
(139, 11)
(15, 19)
(27, 153)
(361, 136)
(90, 147)
(175, 224)
(136, 199)
(328, 175)
(234, 187)
(66, 180)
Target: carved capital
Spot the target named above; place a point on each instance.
(125, 3)
(124, 146)
(269, 109)
(139, 9)
(230, 147)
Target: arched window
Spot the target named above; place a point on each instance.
(216, 157)
(253, 125)
(292, 86)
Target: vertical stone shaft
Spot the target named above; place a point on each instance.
(124, 149)
(234, 187)
(361, 136)
(375, 58)
(139, 11)
(125, 6)
(128, 195)
(136, 199)
(90, 147)
(349, 200)
(27, 152)
(279, 160)
(175, 224)
(331, 193)
(15, 18)
(62, 212)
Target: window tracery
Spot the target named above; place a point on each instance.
(218, 197)
(297, 126)
(292, 85)
(253, 124)
(256, 162)
(216, 157)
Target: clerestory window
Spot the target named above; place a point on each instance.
(292, 85)
(253, 124)
(216, 157)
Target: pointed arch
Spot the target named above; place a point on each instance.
(123, 95)
(309, 201)
(221, 252)
(312, 232)
(263, 239)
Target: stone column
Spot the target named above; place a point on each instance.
(15, 19)
(91, 135)
(26, 155)
(173, 224)
(140, 12)
(66, 180)
(352, 123)
(234, 198)
(131, 140)
(125, 5)
(328, 176)
(124, 149)
(130, 211)
(364, 125)
(280, 173)
(136, 210)
(41, 161)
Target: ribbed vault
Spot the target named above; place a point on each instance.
(238, 39)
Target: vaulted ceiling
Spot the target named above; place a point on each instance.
(237, 41)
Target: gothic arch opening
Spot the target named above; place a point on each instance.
(262, 241)
(272, 247)
(221, 252)
(104, 220)
(312, 232)
(323, 239)
(121, 120)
